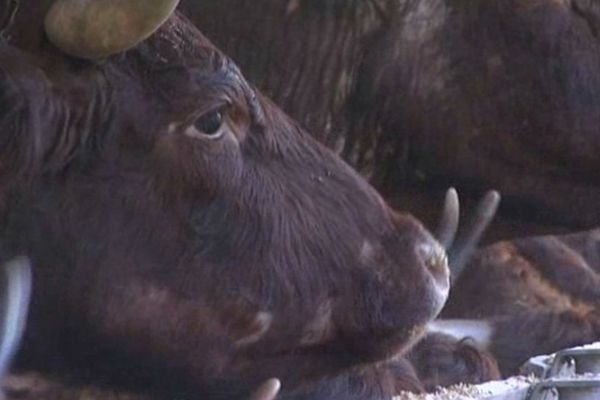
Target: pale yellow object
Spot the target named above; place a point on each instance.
(94, 29)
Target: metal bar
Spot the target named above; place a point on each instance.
(586, 361)
(566, 389)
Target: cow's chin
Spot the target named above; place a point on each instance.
(416, 335)
(437, 289)
(426, 301)
(434, 304)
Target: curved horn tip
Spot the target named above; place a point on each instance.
(448, 224)
(267, 390)
(489, 204)
(451, 192)
(451, 201)
(483, 216)
(100, 28)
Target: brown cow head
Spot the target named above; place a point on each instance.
(178, 221)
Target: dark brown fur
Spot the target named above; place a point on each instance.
(375, 382)
(442, 361)
(478, 93)
(187, 265)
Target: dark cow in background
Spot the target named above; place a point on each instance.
(500, 93)
(443, 360)
(529, 296)
(186, 236)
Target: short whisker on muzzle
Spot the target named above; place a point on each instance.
(439, 260)
(434, 257)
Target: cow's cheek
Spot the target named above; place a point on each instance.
(194, 166)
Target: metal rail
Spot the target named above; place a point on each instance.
(571, 374)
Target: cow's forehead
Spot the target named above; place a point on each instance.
(177, 46)
(179, 42)
(179, 65)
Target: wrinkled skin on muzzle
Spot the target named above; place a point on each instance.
(182, 228)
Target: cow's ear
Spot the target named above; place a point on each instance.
(100, 28)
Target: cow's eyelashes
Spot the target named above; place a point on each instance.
(211, 123)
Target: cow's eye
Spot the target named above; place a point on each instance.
(210, 123)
